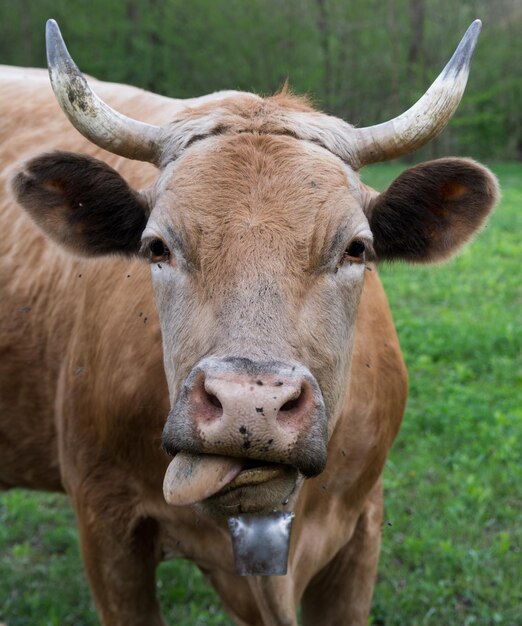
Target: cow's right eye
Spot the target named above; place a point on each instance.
(158, 251)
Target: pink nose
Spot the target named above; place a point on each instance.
(267, 411)
(279, 404)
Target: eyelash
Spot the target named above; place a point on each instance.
(354, 253)
(158, 251)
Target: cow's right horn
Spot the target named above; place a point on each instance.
(97, 121)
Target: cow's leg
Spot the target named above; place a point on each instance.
(236, 596)
(341, 593)
(120, 554)
(256, 600)
(275, 598)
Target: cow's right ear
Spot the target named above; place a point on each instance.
(82, 203)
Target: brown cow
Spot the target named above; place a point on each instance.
(273, 352)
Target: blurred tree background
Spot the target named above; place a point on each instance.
(362, 60)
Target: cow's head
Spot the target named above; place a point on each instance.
(259, 233)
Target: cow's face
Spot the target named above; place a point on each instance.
(258, 231)
(258, 247)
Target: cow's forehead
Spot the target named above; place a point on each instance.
(259, 186)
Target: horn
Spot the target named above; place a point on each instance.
(97, 121)
(425, 119)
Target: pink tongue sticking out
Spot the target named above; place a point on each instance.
(191, 478)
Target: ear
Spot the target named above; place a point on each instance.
(82, 203)
(431, 210)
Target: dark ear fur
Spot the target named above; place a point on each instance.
(82, 203)
(431, 210)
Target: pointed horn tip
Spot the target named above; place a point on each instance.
(51, 28)
(473, 30)
(53, 40)
(470, 36)
(58, 57)
(461, 60)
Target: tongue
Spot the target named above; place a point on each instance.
(191, 478)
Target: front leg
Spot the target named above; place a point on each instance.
(341, 593)
(255, 600)
(120, 554)
(275, 599)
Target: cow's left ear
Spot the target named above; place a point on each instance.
(431, 210)
(82, 203)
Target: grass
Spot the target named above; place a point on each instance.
(452, 538)
(452, 543)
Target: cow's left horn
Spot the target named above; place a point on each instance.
(425, 119)
(91, 116)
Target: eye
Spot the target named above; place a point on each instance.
(354, 253)
(158, 251)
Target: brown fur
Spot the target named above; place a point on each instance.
(257, 222)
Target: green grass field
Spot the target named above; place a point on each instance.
(453, 485)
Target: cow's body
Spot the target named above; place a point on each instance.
(271, 372)
(83, 402)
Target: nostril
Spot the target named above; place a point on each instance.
(214, 400)
(292, 404)
(204, 405)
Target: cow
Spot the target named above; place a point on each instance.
(193, 299)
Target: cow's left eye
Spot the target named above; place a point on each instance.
(354, 253)
(158, 251)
